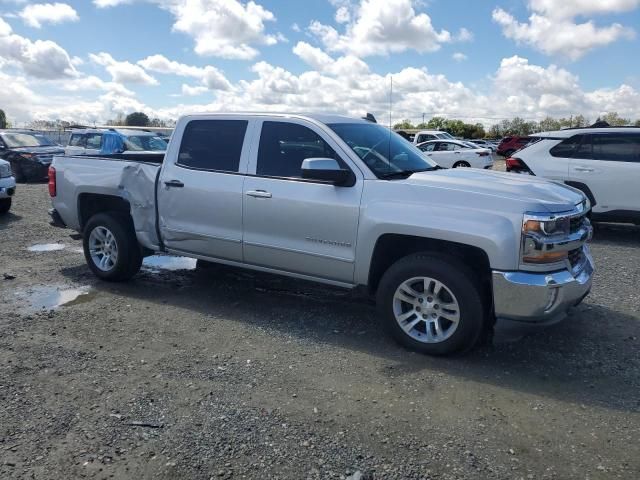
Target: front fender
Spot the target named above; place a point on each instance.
(497, 234)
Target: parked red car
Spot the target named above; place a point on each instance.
(509, 145)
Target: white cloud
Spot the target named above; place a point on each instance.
(210, 76)
(194, 91)
(35, 15)
(123, 72)
(459, 57)
(219, 28)
(39, 58)
(381, 27)
(343, 15)
(552, 28)
(464, 35)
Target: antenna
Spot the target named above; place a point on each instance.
(390, 101)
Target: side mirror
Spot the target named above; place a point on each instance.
(327, 170)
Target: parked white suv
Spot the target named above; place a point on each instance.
(426, 135)
(602, 162)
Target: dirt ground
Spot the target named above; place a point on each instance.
(220, 373)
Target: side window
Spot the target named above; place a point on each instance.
(212, 144)
(585, 149)
(617, 147)
(77, 140)
(94, 140)
(422, 138)
(567, 147)
(428, 147)
(284, 146)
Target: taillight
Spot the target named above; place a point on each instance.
(516, 165)
(52, 182)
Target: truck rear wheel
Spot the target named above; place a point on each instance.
(111, 248)
(430, 303)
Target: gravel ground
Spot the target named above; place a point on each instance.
(219, 373)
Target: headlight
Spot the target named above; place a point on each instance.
(5, 170)
(536, 232)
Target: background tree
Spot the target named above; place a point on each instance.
(437, 123)
(137, 119)
(637, 124)
(3, 119)
(548, 124)
(404, 125)
(615, 120)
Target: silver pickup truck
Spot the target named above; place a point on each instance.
(345, 202)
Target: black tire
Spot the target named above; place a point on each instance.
(129, 258)
(461, 163)
(457, 278)
(5, 205)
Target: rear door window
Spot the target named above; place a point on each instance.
(94, 140)
(214, 145)
(567, 147)
(284, 146)
(617, 147)
(77, 140)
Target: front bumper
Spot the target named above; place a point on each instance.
(541, 297)
(7, 187)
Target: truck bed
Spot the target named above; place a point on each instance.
(131, 180)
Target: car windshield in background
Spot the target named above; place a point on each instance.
(386, 153)
(445, 135)
(17, 140)
(145, 143)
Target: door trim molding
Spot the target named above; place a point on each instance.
(301, 252)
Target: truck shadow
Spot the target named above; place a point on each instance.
(592, 358)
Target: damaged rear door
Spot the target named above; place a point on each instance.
(200, 188)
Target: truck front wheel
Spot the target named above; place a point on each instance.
(430, 303)
(111, 248)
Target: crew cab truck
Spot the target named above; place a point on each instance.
(342, 201)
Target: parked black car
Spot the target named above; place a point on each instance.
(29, 153)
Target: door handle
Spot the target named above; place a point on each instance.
(174, 183)
(583, 169)
(258, 194)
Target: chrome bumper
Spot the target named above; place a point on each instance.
(7, 187)
(541, 297)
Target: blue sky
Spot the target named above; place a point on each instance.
(91, 60)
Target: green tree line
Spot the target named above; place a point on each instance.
(514, 126)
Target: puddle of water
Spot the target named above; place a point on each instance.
(155, 263)
(46, 247)
(49, 297)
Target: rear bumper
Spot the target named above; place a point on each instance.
(56, 219)
(7, 187)
(541, 297)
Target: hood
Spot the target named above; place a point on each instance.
(529, 193)
(44, 150)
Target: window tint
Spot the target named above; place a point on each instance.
(425, 138)
(585, 149)
(77, 140)
(448, 147)
(212, 144)
(617, 147)
(94, 140)
(428, 147)
(284, 146)
(567, 147)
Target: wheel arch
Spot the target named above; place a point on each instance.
(90, 204)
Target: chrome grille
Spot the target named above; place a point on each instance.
(576, 257)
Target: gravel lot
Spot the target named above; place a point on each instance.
(219, 373)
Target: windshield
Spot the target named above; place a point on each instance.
(445, 135)
(145, 142)
(385, 152)
(17, 140)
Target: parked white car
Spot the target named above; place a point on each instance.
(484, 144)
(7, 186)
(604, 163)
(456, 153)
(426, 135)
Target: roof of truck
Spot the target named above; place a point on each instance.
(326, 118)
